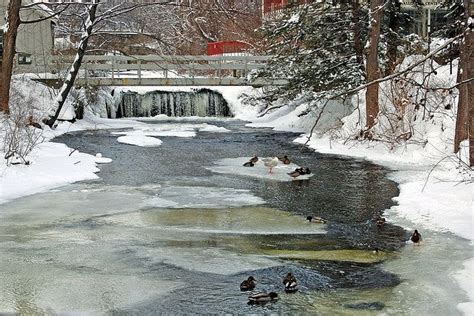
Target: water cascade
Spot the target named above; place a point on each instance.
(202, 102)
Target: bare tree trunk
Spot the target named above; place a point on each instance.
(8, 58)
(358, 47)
(461, 131)
(73, 71)
(372, 94)
(469, 43)
(465, 71)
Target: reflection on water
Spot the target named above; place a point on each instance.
(160, 233)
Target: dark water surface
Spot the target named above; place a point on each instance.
(346, 192)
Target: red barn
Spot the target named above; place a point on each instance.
(226, 47)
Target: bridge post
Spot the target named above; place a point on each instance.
(139, 70)
(112, 67)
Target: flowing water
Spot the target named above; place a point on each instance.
(161, 232)
(200, 102)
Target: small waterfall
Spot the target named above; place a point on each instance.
(202, 102)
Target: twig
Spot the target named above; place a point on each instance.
(432, 169)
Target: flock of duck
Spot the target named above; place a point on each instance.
(271, 163)
(289, 281)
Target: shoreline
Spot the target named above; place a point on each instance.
(436, 206)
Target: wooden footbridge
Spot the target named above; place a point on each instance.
(116, 70)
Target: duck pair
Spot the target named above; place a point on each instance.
(299, 172)
(251, 162)
(289, 281)
(256, 298)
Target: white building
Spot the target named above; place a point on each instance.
(36, 40)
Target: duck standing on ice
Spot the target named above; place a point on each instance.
(270, 163)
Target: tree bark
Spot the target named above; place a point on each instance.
(463, 128)
(469, 43)
(372, 94)
(76, 64)
(8, 57)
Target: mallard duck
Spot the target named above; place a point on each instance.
(299, 172)
(380, 221)
(262, 298)
(290, 283)
(249, 164)
(249, 284)
(285, 160)
(254, 159)
(294, 174)
(270, 163)
(316, 219)
(415, 237)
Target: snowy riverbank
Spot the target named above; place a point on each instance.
(436, 189)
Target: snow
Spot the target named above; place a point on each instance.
(52, 165)
(140, 140)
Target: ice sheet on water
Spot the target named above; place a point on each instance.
(235, 166)
(248, 220)
(172, 130)
(157, 133)
(140, 140)
(210, 260)
(70, 278)
(202, 197)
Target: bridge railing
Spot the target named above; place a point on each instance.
(145, 67)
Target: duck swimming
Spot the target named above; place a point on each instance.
(270, 163)
(249, 284)
(254, 159)
(316, 219)
(290, 283)
(416, 237)
(262, 298)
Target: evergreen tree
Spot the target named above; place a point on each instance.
(314, 48)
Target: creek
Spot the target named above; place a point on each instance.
(162, 232)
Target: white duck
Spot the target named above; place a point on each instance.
(270, 163)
